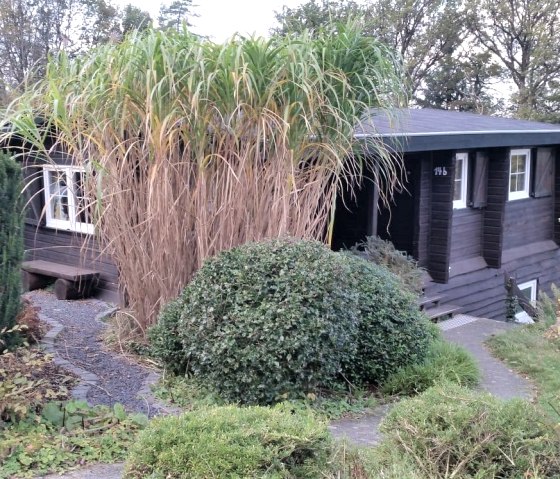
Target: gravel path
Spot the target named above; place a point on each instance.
(118, 379)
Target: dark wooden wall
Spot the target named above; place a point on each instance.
(441, 217)
(424, 209)
(466, 234)
(528, 221)
(482, 293)
(72, 249)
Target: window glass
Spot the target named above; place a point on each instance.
(58, 202)
(519, 174)
(460, 181)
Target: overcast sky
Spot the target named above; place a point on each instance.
(219, 19)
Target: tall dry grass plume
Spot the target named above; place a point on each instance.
(192, 147)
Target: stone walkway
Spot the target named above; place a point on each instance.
(471, 333)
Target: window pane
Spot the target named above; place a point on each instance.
(83, 213)
(457, 192)
(520, 181)
(459, 170)
(58, 201)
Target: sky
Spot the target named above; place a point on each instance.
(220, 19)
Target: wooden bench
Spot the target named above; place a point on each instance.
(70, 282)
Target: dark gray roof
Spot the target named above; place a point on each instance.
(428, 129)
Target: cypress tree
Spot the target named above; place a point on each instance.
(11, 248)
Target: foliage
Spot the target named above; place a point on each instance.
(392, 332)
(449, 431)
(547, 306)
(194, 120)
(384, 253)
(520, 34)
(175, 15)
(135, 19)
(424, 32)
(188, 394)
(11, 248)
(232, 442)
(527, 350)
(263, 321)
(28, 379)
(444, 362)
(66, 435)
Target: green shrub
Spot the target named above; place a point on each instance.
(445, 362)
(264, 322)
(392, 332)
(450, 431)
(232, 442)
(381, 252)
(11, 249)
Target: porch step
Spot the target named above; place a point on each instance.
(428, 301)
(441, 312)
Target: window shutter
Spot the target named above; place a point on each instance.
(33, 194)
(480, 180)
(544, 171)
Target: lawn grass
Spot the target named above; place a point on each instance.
(530, 353)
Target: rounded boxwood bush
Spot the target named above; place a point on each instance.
(232, 442)
(264, 321)
(279, 319)
(392, 332)
(451, 431)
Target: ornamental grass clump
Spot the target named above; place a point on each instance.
(192, 147)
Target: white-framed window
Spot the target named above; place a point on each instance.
(519, 173)
(66, 207)
(461, 180)
(529, 290)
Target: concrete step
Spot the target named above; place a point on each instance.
(428, 301)
(441, 312)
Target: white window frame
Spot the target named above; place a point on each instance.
(462, 202)
(518, 195)
(71, 224)
(533, 285)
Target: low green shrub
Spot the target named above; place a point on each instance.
(232, 442)
(445, 362)
(382, 252)
(450, 431)
(392, 332)
(279, 320)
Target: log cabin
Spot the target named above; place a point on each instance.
(481, 203)
(481, 200)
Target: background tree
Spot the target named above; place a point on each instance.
(134, 18)
(424, 32)
(464, 83)
(175, 14)
(524, 35)
(100, 23)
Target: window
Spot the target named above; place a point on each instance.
(529, 290)
(460, 182)
(65, 203)
(519, 172)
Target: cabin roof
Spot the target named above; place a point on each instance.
(410, 130)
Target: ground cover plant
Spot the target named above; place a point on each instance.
(535, 353)
(450, 431)
(281, 319)
(11, 249)
(444, 362)
(230, 441)
(198, 147)
(42, 431)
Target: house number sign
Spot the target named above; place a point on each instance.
(440, 171)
